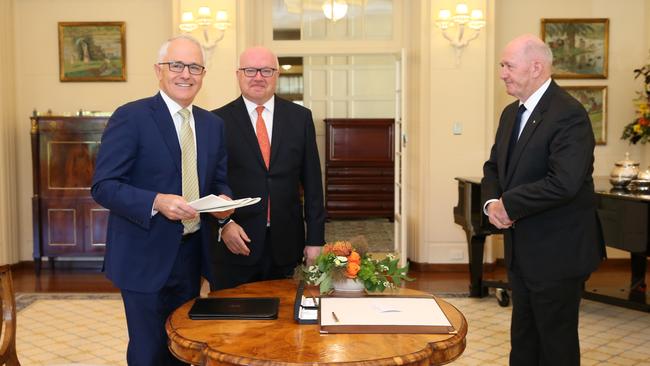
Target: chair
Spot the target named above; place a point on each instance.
(8, 308)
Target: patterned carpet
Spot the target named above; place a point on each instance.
(377, 232)
(71, 329)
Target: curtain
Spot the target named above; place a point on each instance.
(9, 245)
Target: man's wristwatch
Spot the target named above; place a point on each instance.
(224, 222)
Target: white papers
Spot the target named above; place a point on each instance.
(378, 311)
(214, 203)
(309, 302)
(308, 314)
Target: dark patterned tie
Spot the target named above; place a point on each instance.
(514, 136)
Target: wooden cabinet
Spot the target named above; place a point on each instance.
(359, 167)
(66, 220)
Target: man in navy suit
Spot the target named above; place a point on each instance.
(272, 153)
(157, 154)
(538, 187)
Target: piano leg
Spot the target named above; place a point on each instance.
(475, 247)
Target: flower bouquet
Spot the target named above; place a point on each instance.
(639, 129)
(343, 260)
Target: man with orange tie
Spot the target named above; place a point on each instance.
(272, 152)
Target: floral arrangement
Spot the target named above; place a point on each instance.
(639, 129)
(343, 260)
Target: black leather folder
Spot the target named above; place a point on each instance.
(259, 308)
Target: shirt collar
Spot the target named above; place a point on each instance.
(172, 105)
(250, 106)
(532, 101)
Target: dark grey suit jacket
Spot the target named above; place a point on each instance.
(548, 189)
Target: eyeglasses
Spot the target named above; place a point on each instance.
(250, 72)
(177, 66)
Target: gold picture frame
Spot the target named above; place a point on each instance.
(92, 51)
(594, 99)
(580, 47)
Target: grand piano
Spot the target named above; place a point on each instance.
(625, 220)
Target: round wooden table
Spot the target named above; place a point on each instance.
(285, 342)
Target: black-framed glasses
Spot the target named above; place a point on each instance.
(250, 72)
(177, 66)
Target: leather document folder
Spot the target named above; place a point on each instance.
(258, 308)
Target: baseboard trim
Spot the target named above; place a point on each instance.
(447, 267)
(610, 263)
(60, 264)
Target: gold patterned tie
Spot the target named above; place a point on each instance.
(189, 172)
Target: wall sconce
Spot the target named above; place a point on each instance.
(207, 24)
(461, 18)
(335, 9)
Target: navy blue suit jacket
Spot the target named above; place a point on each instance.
(139, 157)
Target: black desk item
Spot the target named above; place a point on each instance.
(255, 308)
(625, 219)
(469, 214)
(298, 308)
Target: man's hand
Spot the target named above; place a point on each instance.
(173, 207)
(235, 238)
(223, 214)
(310, 253)
(498, 215)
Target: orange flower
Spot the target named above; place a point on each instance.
(326, 248)
(352, 270)
(643, 121)
(342, 248)
(354, 257)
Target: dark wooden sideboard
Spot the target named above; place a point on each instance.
(66, 220)
(359, 167)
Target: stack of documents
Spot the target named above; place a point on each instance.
(214, 203)
(382, 314)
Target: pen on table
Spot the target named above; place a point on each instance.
(336, 318)
(313, 298)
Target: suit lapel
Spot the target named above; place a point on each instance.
(165, 124)
(509, 120)
(245, 128)
(535, 119)
(278, 115)
(202, 144)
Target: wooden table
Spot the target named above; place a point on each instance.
(284, 342)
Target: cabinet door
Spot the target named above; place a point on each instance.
(95, 222)
(62, 230)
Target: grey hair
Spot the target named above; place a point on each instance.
(536, 48)
(162, 52)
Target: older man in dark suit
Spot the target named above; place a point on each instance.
(538, 186)
(157, 154)
(272, 153)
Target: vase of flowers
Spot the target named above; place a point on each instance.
(639, 129)
(348, 285)
(347, 267)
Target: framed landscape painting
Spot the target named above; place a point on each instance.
(580, 47)
(92, 51)
(594, 99)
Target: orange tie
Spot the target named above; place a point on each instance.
(263, 136)
(265, 147)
